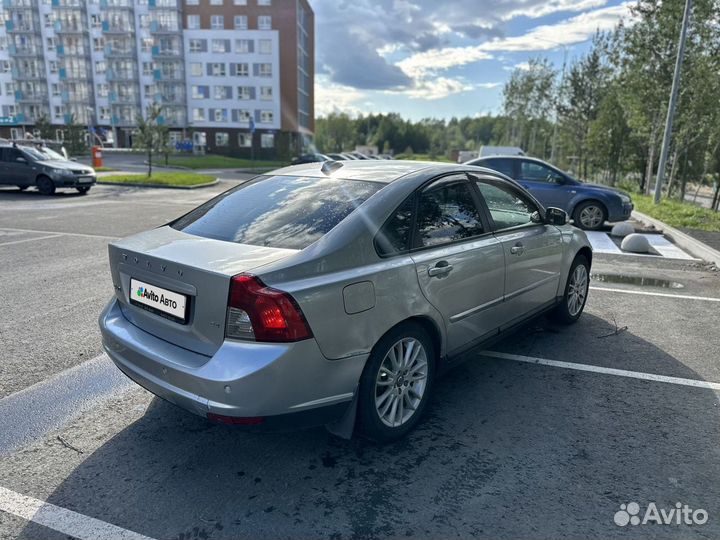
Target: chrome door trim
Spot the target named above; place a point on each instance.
(476, 309)
(532, 286)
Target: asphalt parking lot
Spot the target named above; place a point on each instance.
(546, 435)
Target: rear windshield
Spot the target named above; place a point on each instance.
(277, 211)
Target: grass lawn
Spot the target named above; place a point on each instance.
(104, 169)
(218, 162)
(678, 214)
(423, 157)
(160, 178)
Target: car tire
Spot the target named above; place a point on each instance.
(590, 215)
(573, 301)
(390, 393)
(83, 189)
(45, 185)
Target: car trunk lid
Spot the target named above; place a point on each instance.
(199, 269)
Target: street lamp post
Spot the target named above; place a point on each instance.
(673, 101)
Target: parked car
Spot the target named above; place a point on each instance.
(590, 205)
(336, 293)
(310, 158)
(349, 156)
(337, 157)
(27, 166)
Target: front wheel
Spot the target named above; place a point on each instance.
(396, 384)
(576, 291)
(45, 185)
(83, 189)
(590, 215)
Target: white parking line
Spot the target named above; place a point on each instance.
(83, 235)
(28, 240)
(664, 295)
(62, 520)
(605, 370)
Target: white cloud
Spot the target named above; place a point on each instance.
(568, 32)
(331, 97)
(438, 88)
(420, 64)
(522, 65)
(553, 6)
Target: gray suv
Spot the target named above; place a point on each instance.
(25, 166)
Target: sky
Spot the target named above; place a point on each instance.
(442, 58)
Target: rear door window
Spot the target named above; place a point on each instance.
(279, 211)
(447, 212)
(505, 166)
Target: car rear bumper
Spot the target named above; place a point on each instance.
(287, 384)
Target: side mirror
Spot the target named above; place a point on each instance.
(556, 216)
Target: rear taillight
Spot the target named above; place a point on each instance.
(262, 313)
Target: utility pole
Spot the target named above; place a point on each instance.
(673, 101)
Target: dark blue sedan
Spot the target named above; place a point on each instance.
(590, 205)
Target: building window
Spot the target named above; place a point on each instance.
(192, 2)
(221, 45)
(241, 115)
(264, 22)
(55, 89)
(59, 111)
(244, 92)
(240, 70)
(241, 22)
(104, 114)
(198, 45)
(200, 92)
(264, 2)
(216, 2)
(217, 70)
(266, 117)
(146, 45)
(265, 46)
(49, 20)
(267, 140)
(220, 115)
(240, 2)
(98, 44)
(102, 90)
(196, 69)
(51, 44)
(217, 22)
(198, 115)
(244, 140)
(193, 22)
(264, 70)
(222, 139)
(222, 92)
(243, 46)
(100, 67)
(95, 21)
(266, 93)
(147, 68)
(4, 66)
(53, 66)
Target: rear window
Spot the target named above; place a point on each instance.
(278, 211)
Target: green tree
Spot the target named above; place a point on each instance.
(149, 133)
(76, 137)
(44, 128)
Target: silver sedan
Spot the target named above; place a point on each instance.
(336, 293)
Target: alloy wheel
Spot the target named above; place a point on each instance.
(401, 382)
(591, 217)
(577, 290)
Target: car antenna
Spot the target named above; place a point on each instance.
(329, 167)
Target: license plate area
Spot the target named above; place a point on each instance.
(85, 180)
(158, 300)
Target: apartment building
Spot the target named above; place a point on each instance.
(232, 76)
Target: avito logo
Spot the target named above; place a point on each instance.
(142, 292)
(681, 514)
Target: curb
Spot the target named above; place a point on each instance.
(696, 248)
(159, 186)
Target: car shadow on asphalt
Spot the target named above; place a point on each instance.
(508, 449)
(14, 194)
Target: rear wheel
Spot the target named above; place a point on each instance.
(576, 290)
(396, 384)
(590, 215)
(45, 185)
(83, 189)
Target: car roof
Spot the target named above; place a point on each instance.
(384, 171)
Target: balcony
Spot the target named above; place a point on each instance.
(120, 27)
(120, 52)
(160, 53)
(22, 27)
(30, 97)
(32, 51)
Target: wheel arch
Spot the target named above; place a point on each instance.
(427, 324)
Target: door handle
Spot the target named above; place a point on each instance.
(517, 249)
(442, 268)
